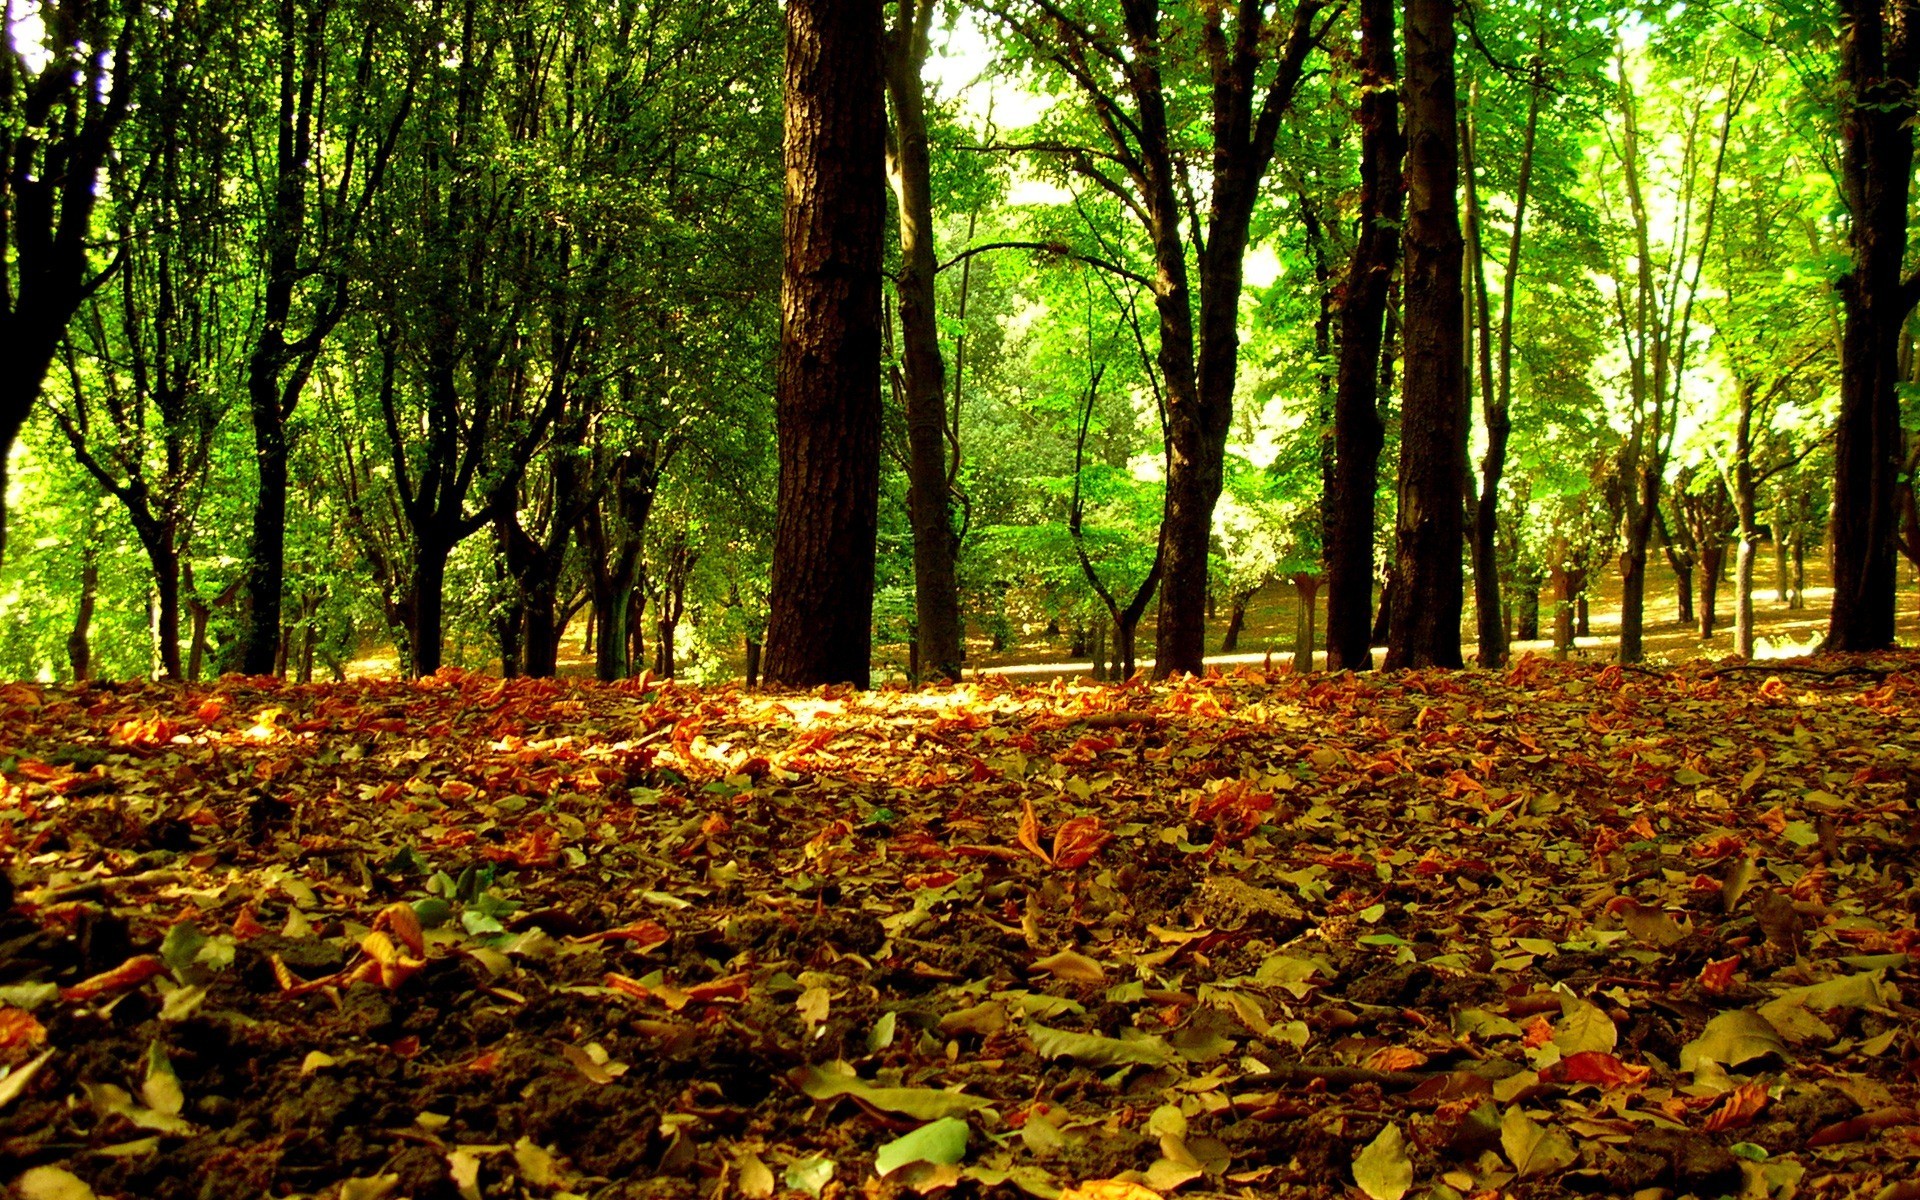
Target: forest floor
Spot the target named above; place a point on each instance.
(1563, 930)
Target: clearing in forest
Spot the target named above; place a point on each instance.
(1561, 930)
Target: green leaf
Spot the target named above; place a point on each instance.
(943, 1141)
(433, 912)
(161, 1088)
(810, 1175)
(922, 1104)
(1583, 1026)
(180, 947)
(1097, 1050)
(1383, 1170)
(1733, 1038)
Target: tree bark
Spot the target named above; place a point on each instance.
(936, 586)
(62, 120)
(828, 376)
(1306, 590)
(80, 637)
(1879, 67)
(1358, 431)
(1429, 534)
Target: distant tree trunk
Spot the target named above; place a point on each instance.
(935, 584)
(1236, 618)
(753, 662)
(1306, 588)
(1798, 596)
(1879, 68)
(1100, 650)
(80, 639)
(1429, 535)
(828, 384)
(1780, 580)
(1582, 611)
(1358, 431)
(1681, 550)
(1567, 577)
(1713, 560)
(1527, 611)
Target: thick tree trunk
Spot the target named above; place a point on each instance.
(1429, 535)
(1879, 64)
(427, 604)
(1358, 431)
(267, 548)
(936, 586)
(540, 644)
(828, 378)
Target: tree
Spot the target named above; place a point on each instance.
(322, 170)
(1654, 297)
(1429, 534)
(59, 114)
(1878, 75)
(910, 171)
(1359, 432)
(1129, 72)
(828, 380)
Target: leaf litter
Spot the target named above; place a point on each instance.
(1556, 931)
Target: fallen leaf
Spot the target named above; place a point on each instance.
(1382, 1170)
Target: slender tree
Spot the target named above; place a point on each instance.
(828, 380)
(1359, 432)
(1131, 74)
(936, 587)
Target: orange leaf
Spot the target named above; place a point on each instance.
(1739, 1108)
(246, 925)
(18, 1028)
(1030, 831)
(1077, 841)
(400, 920)
(628, 986)
(645, 935)
(1395, 1058)
(1595, 1067)
(131, 973)
(1717, 977)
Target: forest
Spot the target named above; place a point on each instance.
(346, 336)
(551, 549)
